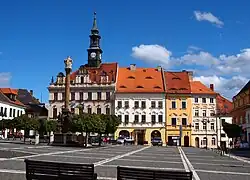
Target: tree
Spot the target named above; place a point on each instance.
(232, 130)
(112, 123)
(25, 123)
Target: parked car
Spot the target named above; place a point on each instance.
(120, 140)
(129, 140)
(156, 141)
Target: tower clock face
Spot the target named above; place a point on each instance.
(93, 55)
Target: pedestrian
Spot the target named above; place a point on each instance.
(124, 142)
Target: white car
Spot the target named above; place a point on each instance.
(120, 140)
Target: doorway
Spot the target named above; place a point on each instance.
(197, 142)
(186, 141)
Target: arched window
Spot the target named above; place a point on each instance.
(213, 141)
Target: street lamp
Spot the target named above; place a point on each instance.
(205, 121)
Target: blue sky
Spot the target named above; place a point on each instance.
(212, 38)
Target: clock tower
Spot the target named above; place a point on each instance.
(94, 50)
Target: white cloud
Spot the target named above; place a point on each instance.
(226, 86)
(207, 16)
(152, 53)
(5, 79)
(193, 49)
(229, 73)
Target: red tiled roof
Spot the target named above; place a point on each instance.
(198, 88)
(95, 73)
(177, 82)
(6, 92)
(139, 80)
(224, 106)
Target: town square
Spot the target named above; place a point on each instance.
(77, 109)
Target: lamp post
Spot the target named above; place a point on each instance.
(205, 121)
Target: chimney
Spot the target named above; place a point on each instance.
(159, 68)
(212, 87)
(132, 67)
(31, 92)
(190, 75)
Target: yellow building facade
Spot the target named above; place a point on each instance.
(178, 119)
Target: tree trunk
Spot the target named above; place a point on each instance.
(100, 139)
(86, 139)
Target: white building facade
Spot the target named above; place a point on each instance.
(204, 126)
(141, 114)
(222, 136)
(10, 111)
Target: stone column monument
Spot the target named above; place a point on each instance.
(66, 114)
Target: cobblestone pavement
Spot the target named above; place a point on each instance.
(204, 163)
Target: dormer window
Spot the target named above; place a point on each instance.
(131, 77)
(139, 87)
(172, 89)
(176, 78)
(123, 86)
(183, 89)
(157, 87)
(148, 77)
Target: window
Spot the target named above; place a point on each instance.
(73, 110)
(204, 126)
(136, 120)
(81, 96)
(1, 111)
(89, 110)
(99, 111)
(99, 95)
(18, 113)
(14, 113)
(223, 121)
(55, 96)
(183, 105)
(89, 96)
(136, 104)
(73, 96)
(63, 96)
(173, 121)
(107, 95)
(143, 119)
(196, 100)
(173, 105)
(211, 100)
(126, 104)
(143, 104)
(223, 135)
(184, 121)
(160, 118)
(126, 119)
(196, 126)
(204, 113)
(152, 104)
(107, 110)
(203, 100)
(120, 117)
(212, 113)
(212, 126)
(196, 112)
(5, 112)
(54, 113)
(213, 141)
(82, 79)
(160, 104)
(153, 119)
(10, 114)
(119, 104)
(204, 141)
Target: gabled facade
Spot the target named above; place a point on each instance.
(140, 103)
(92, 85)
(241, 111)
(204, 127)
(10, 106)
(178, 108)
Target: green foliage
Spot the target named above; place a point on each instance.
(232, 130)
(25, 123)
(51, 125)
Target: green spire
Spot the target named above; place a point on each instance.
(94, 23)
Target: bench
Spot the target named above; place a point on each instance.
(124, 173)
(46, 170)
